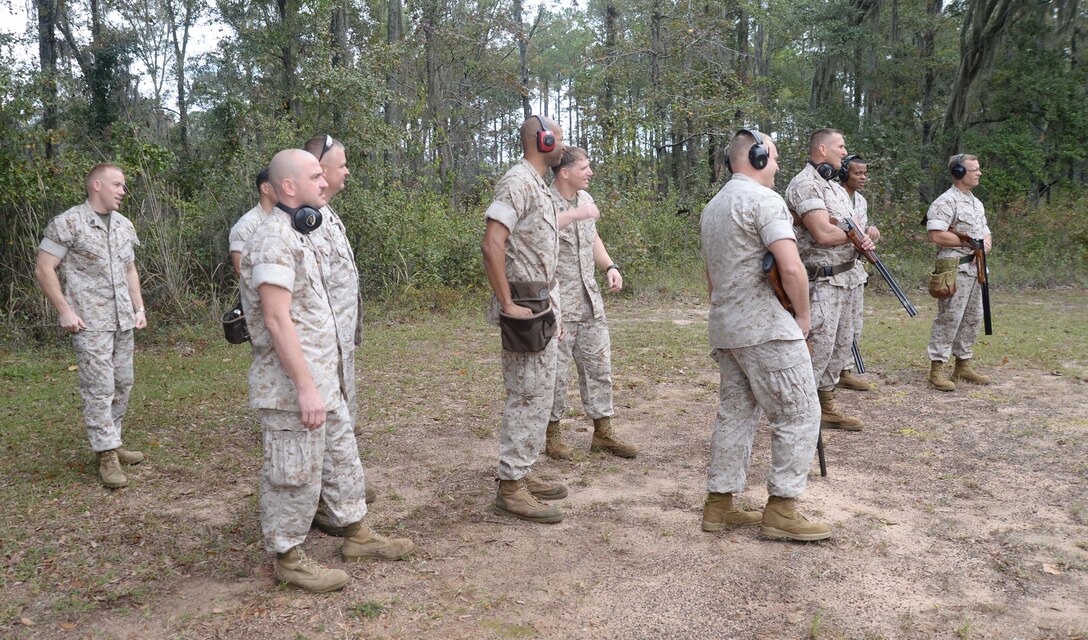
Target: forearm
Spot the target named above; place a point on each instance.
(236, 262)
(600, 255)
(50, 284)
(795, 282)
(495, 265)
(133, 279)
(823, 231)
(946, 239)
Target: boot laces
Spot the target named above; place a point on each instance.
(308, 563)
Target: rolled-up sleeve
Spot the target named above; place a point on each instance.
(56, 239)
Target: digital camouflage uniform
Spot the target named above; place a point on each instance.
(831, 299)
(959, 316)
(861, 219)
(337, 262)
(765, 365)
(244, 228)
(525, 205)
(93, 265)
(299, 465)
(586, 340)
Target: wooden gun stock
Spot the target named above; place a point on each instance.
(770, 269)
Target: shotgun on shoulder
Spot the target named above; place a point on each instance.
(978, 245)
(854, 234)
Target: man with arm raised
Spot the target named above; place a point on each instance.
(760, 349)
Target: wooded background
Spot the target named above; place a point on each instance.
(427, 96)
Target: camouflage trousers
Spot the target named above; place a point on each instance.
(586, 344)
(959, 319)
(859, 320)
(832, 331)
(302, 466)
(773, 378)
(104, 359)
(347, 386)
(529, 379)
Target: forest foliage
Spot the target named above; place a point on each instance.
(427, 96)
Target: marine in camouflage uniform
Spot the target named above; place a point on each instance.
(832, 269)
(586, 340)
(959, 316)
(247, 224)
(307, 455)
(760, 349)
(856, 173)
(100, 306)
(521, 245)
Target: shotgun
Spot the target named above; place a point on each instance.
(859, 364)
(770, 269)
(978, 245)
(854, 234)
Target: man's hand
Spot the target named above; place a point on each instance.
(873, 233)
(615, 280)
(311, 408)
(867, 243)
(71, 322)
(141, 320)
(805, 324)
(587, 211)
(517, 311)
(986, 241)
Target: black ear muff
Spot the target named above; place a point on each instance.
(957, 169)
(304, 219)
(825, 169)
(545, 139)
(844, 171)
(758, 154)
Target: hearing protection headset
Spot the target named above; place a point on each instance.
(844, 170)
(957, 169)
(758, 155)
(304, 219)
(545, 139)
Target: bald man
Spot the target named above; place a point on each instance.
(294, 383)
(521, 248)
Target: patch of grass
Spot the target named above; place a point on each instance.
(963, 632)
(815, 628)
(508, 630)
(368, 609)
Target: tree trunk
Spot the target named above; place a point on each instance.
(608, 131)
(523, 57)
(394, 31)
(47, 57)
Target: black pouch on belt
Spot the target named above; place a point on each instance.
(532, 334)
(234, 325)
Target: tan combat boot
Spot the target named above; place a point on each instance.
(129, 457)
(109, 470)
(780, 521)
(831, 419)
(718, 514)
(963, 372)
(937, 379)
(545, 490)
(513, 499)
(605, 440)
(360, 543)
(323, 521)
(847, 380)
(555, 447)
(297, 570)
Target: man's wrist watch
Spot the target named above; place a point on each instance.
(613, 266)
(140, 310)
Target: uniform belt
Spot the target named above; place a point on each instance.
(827, 271)
(967, 259)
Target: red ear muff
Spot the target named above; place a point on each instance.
(545, 140)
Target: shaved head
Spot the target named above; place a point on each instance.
(532, 125)
(542, 160)
(296, 178)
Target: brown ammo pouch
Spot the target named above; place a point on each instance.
(532, 334)
(942, 282)
(234, 325)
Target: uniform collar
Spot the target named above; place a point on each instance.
(93, 218)
(532, 170)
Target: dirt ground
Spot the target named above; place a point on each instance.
(956, 515)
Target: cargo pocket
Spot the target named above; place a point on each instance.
(788, 374)
(287, 456)
(527, 335)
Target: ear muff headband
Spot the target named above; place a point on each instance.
(545, 139)
(844, 170)
(304, 219)
(957, 169)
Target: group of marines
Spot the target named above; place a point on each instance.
(299, 288)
